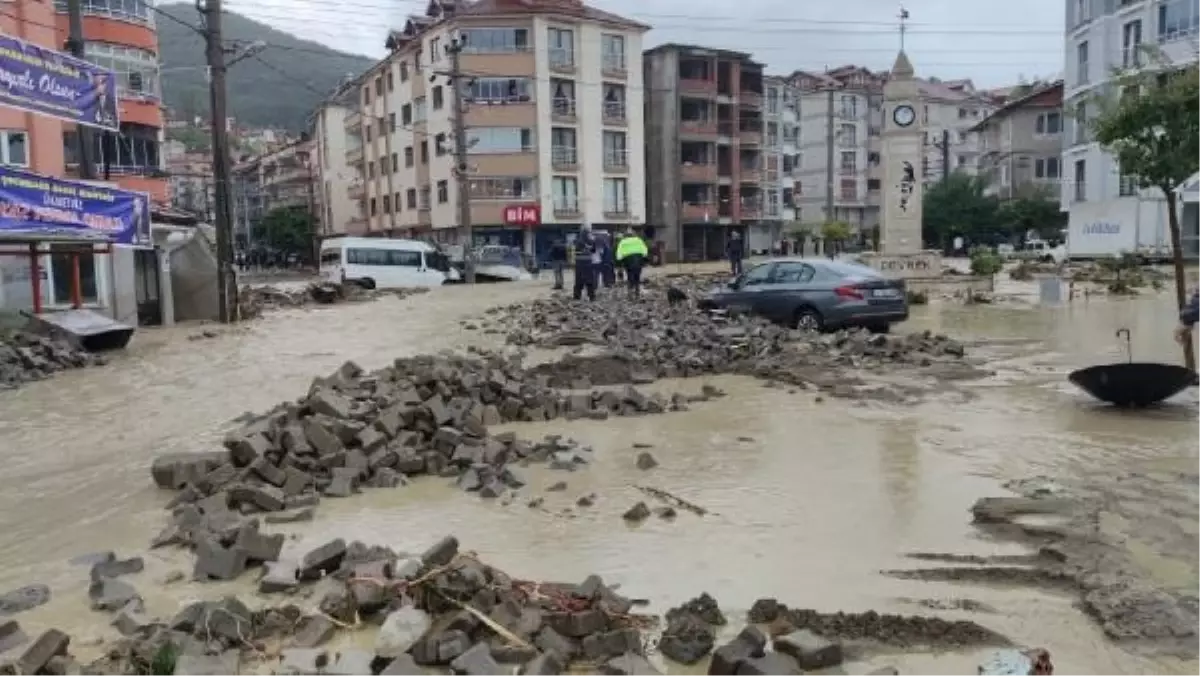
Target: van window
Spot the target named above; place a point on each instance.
(410, 259)
(331, 257)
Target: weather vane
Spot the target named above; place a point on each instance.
(903, 25)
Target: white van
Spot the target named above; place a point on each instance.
(378, 263)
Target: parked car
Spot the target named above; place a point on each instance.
(815, 294)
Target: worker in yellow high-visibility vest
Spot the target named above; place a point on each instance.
(631, 255)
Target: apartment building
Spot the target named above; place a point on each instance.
(1020, 143)
(339, 184)
(781, 148)
(840, 117)
(950, 109)
(704, 148)
(279, 179)
(1102, 35)
(553, 116)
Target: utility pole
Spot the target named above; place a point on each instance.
(829, 156)
(944, 146)
(75, 47)
(312, 214)
(226, 285)
(461, 168)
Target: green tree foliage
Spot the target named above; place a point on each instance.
(985, 262)
(958, 206)
(1038, 212)
(278, 88)
(835, 231)
(1153, 128)
(288, 229)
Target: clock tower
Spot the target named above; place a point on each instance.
(903, 139)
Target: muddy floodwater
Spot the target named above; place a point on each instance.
(810, 499)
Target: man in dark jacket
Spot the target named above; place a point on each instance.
(558, 261)
(734, 251)
(1188, 317)
(587, 263)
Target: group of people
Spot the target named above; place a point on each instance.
(598, 260)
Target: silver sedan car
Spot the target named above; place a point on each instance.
(815, 294)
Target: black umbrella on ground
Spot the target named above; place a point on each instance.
(1133, 384)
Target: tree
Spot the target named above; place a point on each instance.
(286, 229)
(1037, 212)
(958, 206)
(835, 233)
(1152, 127)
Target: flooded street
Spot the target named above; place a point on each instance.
(810, 499)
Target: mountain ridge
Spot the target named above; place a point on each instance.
(279, 87)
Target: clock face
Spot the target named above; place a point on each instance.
(904, 115)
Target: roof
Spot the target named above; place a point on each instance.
(572, 8)
(701, 50)
(903, 66)
(1049, 96)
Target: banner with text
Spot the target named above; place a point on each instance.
(40, 206)
(46, 82)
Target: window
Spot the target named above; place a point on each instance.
(366, 96)
(1177, 19)
(382, 127)
(849, 189)
(849, 106)
(565, 192)
(420, 109)
(500, 90)
(848, 136)
(563, 151)
(773, 100)
(408, 156)
(371, 169)
(494, 40)
(423, 198)
(136, 69)
(134, 150)
(438, 98)
(391, 81)
(396, 202)
(614, 102)
(1049, 123)
(873, 184)
(404, 71)
(1083, 11)
(1081, 122)
(1080, 181)
(127, 10)
(1081, 63)
(612, 52)
(1127, 185)
(14, 148)
(616, 196)
(499, 140)
(373, 208)
(791, 273)
(387, 204)
(562, 48)
(435, 50)
(963, 113)
(849, 162)
(424, 152)
(1046, 168)
(62, 271)
(367, 129)
(1131, 44)
(406, 114)
(501, 188)
(392, 122)
(758, 274)
(411, 259)
(395, 165)
(378, 86)
(616, 154)
(443, 192)
(563, 93)
(961, 160)
(439, 145)
(410, 198)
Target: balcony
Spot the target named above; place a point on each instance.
(614, 112)
(613, 66)
(353, 123)
(566, 208)
(751, 175)
(563, 109)
(562, 59)
(698, 87)
(354, 156)
(616, 212)
(698, 127)
(356, 190)
(564, 158)
(750, 99)
(697, 211)
(751, 209)
(750, 136)
(690, 172)
(616, 160)
(848, 172)
(725, 128)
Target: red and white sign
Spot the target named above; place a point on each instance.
(524, 215)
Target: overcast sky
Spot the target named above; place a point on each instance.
(993, 43)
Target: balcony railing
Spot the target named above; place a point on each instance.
(704, 127)
(700, 87)
(616, 211)
(750, 98)
(562, 59)
(616, 159)
(750, 136)
(563, 107)
(354, 155)
(848, 171)
(697, 211)
(562, 157)
(699, 172)
(566, 208)
(614, 112)
(613, 64)
(356, 190)
(353, 122)
(751, 174)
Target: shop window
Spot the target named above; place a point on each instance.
(62, 272)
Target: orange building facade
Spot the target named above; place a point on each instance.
(121, 35)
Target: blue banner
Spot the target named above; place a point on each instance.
(46, 82)
(39, 206)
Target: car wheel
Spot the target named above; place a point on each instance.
(807, 319)
(368, 284)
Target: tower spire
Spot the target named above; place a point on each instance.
(903, 16)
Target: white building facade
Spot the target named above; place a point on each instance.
(1103, 35)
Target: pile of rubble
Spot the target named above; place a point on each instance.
(254, 300)
(25, 357)
(445, 609)
(420, 416)
(640, 342)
